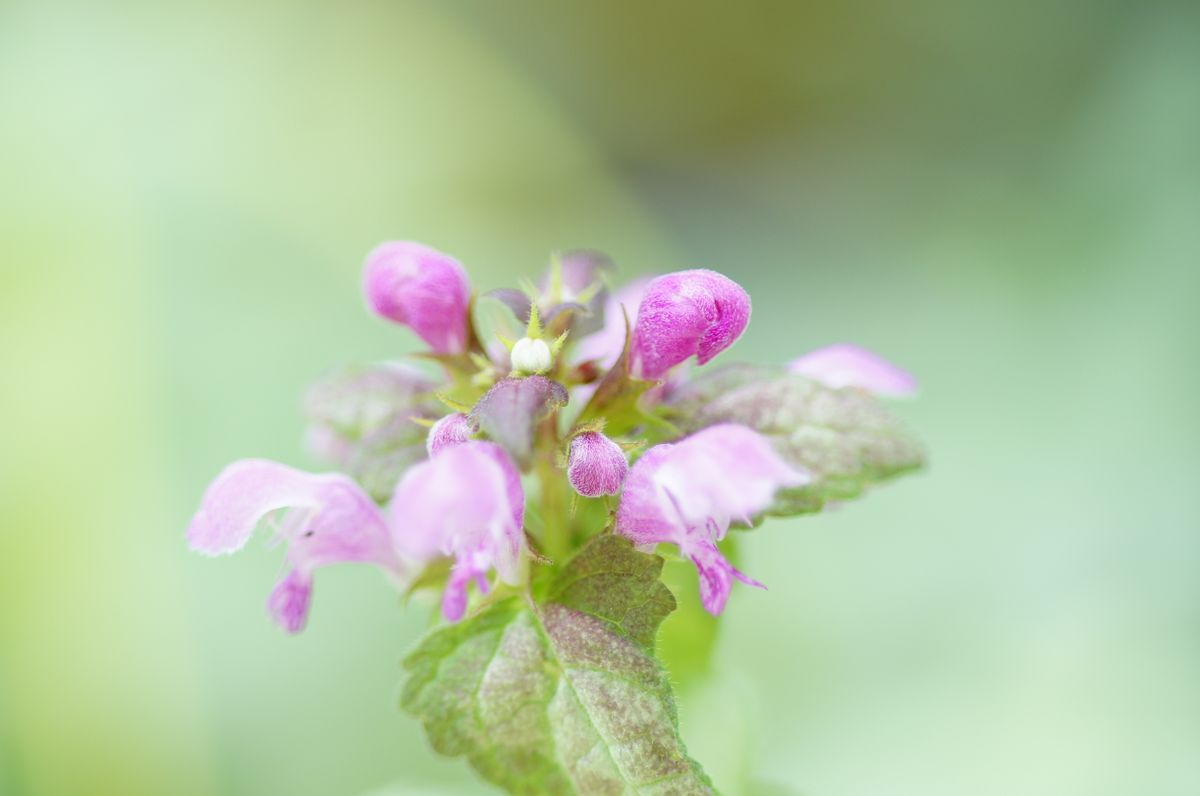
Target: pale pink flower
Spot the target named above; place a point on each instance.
(323, 519)
(467, 503)
(687, 493)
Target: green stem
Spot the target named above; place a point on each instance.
(555, 494)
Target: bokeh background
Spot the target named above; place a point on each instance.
(1002, 197)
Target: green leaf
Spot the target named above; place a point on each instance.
(845, 438)
(563, 696)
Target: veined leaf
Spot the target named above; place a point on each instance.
(845, 438)
(562, 696)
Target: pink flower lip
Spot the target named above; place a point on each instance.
(324, 519)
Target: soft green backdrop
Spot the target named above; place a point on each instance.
(1003, 197)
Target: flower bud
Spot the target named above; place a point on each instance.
(687, 313)
(421, 288)
(596, 465)
(531, 355)
(453, 429)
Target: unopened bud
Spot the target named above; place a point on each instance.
(531, 355)
(596, 465)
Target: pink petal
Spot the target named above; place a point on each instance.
(687, 493)
(467, 568)
(721, 474)
(512, 479)
(290, 600)
(243, 494)
(347, 528)
(846, 365)
(596, 465)
(421, 288)
(716, 576)
(644, 515)
(330, 520)
(452, 429)
(726, 473)
(687, 313)
(468, 499)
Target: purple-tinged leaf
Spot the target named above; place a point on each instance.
(512, 408)
(566, 696)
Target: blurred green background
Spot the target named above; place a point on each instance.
(1003, 197)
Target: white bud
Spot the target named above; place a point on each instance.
(531, 356)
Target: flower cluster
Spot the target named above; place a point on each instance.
(556, 411)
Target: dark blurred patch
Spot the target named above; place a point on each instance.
(839, 134)
(675, 83)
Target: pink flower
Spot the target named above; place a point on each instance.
(325, 519)
(687, 494)
(421, 288)
(452, 429)
(687, 313)
(846, 365)
(457, 430)
(596, 465)
(466, 502)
